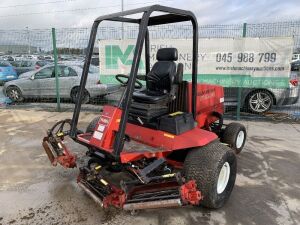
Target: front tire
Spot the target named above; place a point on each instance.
(213, 167)
(14, 93)
(235, 136)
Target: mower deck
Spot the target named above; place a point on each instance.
(167, 190)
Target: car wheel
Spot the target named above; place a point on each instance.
(14, 93)
(213, 167)
(75, 93)
(259, 101)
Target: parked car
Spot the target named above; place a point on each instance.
(261, 100)
(28, 65)
(295, 66)
(95, 60)
(7, 72)
(296, 57)
(48, 57)
(41, 84)
(8, 58)
(45, 57)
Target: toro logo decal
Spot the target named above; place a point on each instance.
(208, 93)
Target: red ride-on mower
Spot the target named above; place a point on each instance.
(166, 142)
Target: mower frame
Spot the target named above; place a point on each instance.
(171, 15)
(153, 177)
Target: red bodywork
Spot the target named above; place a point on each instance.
(209, 99)
(152, 143)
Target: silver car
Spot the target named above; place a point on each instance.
(41, 84)
(261, 100)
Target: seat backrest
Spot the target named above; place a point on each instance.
(162, 75)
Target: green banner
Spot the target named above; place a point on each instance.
(225, 80)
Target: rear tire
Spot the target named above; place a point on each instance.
(14, 93)
(74, 95)
(235, 136)
(213, 167)
(92, 125)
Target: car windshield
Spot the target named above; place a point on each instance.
(4, 64)
(42, 63)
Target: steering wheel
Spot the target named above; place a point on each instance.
(124, 82)
(58, 128)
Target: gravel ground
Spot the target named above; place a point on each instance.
(32, 192)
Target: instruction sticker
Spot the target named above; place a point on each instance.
(98, 135)
(101, 128)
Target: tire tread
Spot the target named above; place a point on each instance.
(201, 164)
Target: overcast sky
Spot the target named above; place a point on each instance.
(18, 14)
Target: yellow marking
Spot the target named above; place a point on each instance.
(97, 167)
(104, 182)
(59, 134)
(169, 175)
(176, 113)
(168, 135)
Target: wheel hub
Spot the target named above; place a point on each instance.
(240, 139)
(260, 102)
(14, 94)
(223, 178)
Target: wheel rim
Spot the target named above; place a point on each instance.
(240, 139)
(14, 94)
(260, 102)
(223, 178)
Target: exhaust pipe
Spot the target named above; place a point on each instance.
(153, 204)
(91, 194)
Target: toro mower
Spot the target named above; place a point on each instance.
(164, 144)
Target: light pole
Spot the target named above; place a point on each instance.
(122, 8)
(28, 40)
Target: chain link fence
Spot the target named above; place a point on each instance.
(30, 49)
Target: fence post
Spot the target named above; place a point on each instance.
(56, 69)
(238, 108)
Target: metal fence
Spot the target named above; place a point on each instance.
(36, 44)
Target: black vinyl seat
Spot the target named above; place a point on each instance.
(160, 80)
